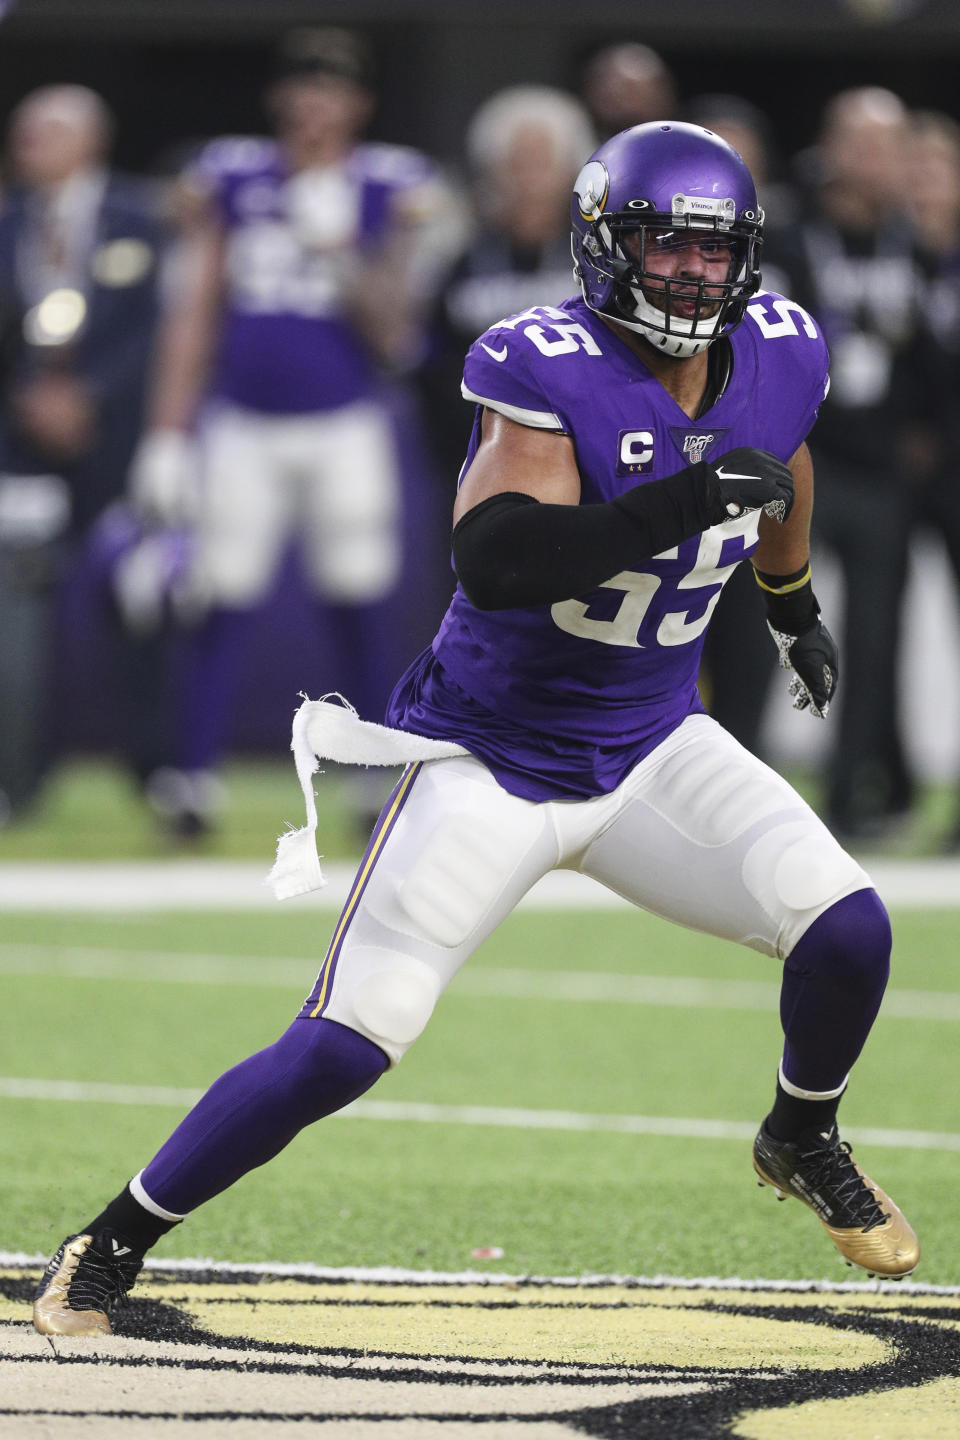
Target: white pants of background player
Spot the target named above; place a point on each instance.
(328, 480)
(701, 832)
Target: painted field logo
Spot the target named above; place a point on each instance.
(538, 1360)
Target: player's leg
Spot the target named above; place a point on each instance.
(708, 836)
(450, 857)
(352, 544)
(868, 783)
(240, 532)
(942, 510)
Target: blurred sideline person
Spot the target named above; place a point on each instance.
(934, 196)
(738, 665)
(524, 146)
(851, 261)
(745, 126)
(625, 84)
(299, 287)
(78, 269)
(560, 696)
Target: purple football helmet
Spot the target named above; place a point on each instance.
(640, 189)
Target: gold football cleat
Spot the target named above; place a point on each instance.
(863, 1222)
(85, 1278)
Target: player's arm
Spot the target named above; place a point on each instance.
(782, 569)
(162, 475)
(393, 284)
(786, 548)
(186, 339)
(522, 538)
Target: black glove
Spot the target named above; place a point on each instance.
(814, 659)
(746, 479)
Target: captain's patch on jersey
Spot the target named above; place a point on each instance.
(635, 452)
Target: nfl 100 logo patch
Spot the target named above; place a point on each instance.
(695, 445)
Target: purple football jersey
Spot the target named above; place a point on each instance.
(286, 344)
(563, 700)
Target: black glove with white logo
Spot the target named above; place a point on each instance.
(804, 644)
(747, 479)
(813, 657)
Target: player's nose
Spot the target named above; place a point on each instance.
(691, 261)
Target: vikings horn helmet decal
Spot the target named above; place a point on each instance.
(643, 188)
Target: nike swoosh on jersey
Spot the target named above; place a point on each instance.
(495, 354)
(722, 474)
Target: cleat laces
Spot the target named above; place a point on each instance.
(829, 1168)
(100, 1281)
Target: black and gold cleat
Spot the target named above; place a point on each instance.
(86, 1278)
(864, 1223)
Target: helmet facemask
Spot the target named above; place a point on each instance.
(681, 314)
(647, 302)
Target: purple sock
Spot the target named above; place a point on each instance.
(255, 1109)
(213, 667)
(361, 646)
(833, 983)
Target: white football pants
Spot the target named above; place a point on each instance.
(701, 832)
(330, 481)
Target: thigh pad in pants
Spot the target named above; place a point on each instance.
(710, 837)
(451, 855)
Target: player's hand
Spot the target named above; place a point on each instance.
(813, 658)
(163, 481)
(748, 479)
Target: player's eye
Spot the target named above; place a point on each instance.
(669, 240)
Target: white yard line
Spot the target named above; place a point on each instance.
(396, 1275)
(240, 885)
(177, 967)
(501, 1117)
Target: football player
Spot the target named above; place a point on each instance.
(298, 283)
(630, 447)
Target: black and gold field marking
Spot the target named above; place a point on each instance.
(199, 1349)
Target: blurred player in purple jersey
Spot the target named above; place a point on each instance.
(296, 290)
(631, 446)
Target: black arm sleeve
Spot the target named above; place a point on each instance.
(510, 551)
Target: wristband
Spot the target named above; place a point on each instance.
(791, 604)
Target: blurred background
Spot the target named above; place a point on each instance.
(243, 248)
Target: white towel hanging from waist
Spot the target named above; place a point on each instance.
(330, 729)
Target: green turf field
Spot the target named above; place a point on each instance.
(90, 810)
(425, 1195)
